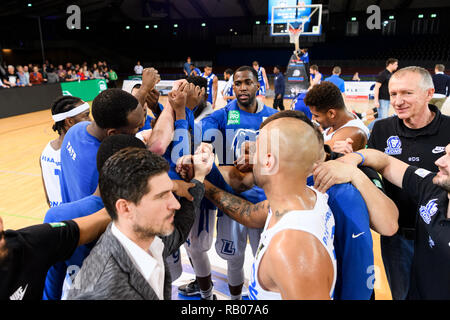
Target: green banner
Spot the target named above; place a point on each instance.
(86, 90)
(135, 77)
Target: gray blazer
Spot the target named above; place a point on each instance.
(108, 272)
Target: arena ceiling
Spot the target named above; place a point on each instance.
(142, 10)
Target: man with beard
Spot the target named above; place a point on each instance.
(328, 108)
(430, 278)
(147, 226)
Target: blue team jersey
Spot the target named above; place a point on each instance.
(209, 87)
(313, 76)
(352, 243)
(228, 128)
(299, 105)
(340, 83)
(182, 143)
(305, 58)
(262, 84)
(147, 124)
(79, 175)
(68, 211)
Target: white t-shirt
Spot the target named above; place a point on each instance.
(319, 222)
(352, 123)
(51, 171)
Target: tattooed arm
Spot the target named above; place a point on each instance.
(243, 211)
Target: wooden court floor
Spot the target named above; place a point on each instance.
(22, 201)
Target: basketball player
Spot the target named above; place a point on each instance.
(263, 81)
(315, 77)
(295, 257)
(228, 128)
(227, 92)
(66, 112)
(151, 102)
(354, 257)
(194, 70)
(328, 109)
(212, 85)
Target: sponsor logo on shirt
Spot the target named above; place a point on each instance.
(430, 242)
(57, 224)
(19, 294)
(429, 210)
(394, 146)
(422, 172)
(438, 149)
(234, 117)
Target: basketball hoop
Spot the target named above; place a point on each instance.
(294, 35)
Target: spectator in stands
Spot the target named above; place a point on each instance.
(138, 68)
(24, 80)
(441, 83)
(96, 74)
(27, 73)
(356, 77)
(80, 74)
(3, 85)
(336, 79)
(11, 78)
(52, 76)
(381, 92)
(112, 76)
(70, 76)
(187, 66)
(87, 74)
(36, 77)
(61, 73)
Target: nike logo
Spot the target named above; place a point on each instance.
(357, 235)
(438, 149)
(19, 294)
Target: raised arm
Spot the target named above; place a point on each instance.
(390, 168)
(92, 226)
(383, 213)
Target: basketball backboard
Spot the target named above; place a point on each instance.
(295, 14)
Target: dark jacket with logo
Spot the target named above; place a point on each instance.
(418, 147)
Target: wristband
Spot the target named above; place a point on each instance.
(363, 159)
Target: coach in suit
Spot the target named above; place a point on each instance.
(148, 224)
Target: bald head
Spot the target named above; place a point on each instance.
(286, 146)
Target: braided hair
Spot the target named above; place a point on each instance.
(60, 105)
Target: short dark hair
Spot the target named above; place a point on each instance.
(324, 96)
(198, 81)
(136, 86)
(60, 105)
(111, 107)
(229, 71)
(248, 68)
(125, 176)
(110, 145)
(278, 67)
(391, 61)
(314, 67)
(295, 114)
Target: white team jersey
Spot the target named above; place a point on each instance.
(51, 171)
(352, 123)
(318, 221)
